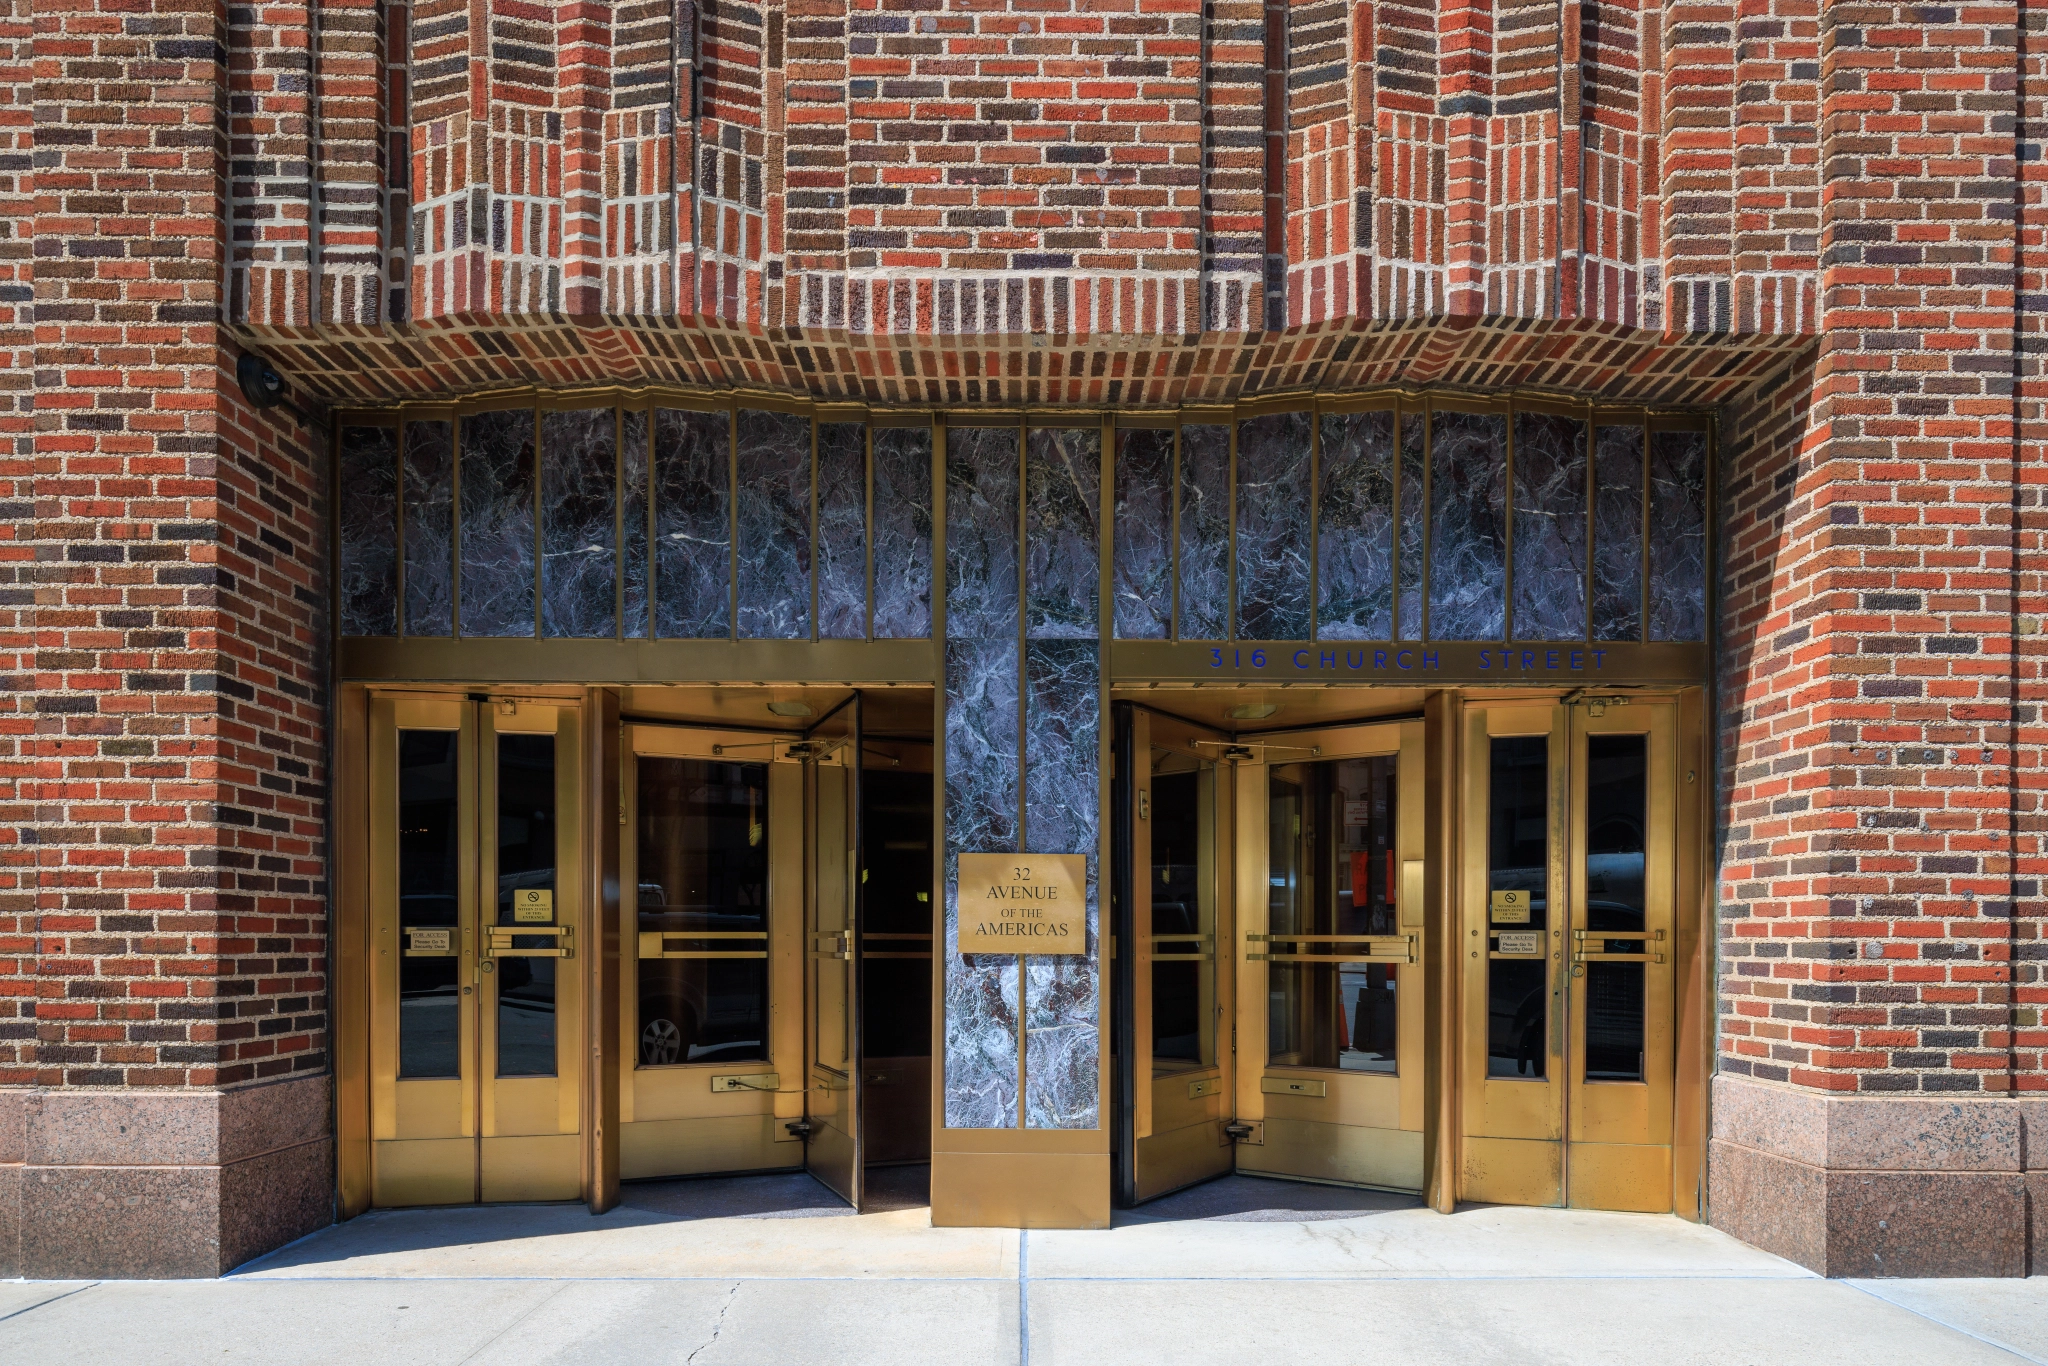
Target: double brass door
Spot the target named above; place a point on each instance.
(1568, 948)
(477, 917)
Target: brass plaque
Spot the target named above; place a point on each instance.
(429, 943)
(532, 905)
(1525, 942)
(1023, 903)
(1510, 908)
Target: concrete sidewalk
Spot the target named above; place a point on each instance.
(776, 1270)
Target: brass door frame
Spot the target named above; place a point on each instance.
(671, 1122)
(832, 955)
(1351, 1128)
(1517, 1140)
(1178, 1119)
(477, 1136)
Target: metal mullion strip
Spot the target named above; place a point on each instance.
(652, 523)
(1643, 543)
(814, 527)
(1592, 507)
(867, 446)
(1315, 501)
(618, 523)
(1173, 550)
(1428, 478)
(455, 422)
(1394, 559)
(398, 620)
(1230, 540)
(539, 548)
(1507, 577)
(732, 521)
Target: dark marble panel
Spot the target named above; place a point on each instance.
(1355, 528)
(633, 453)
(1062, 815)
(497, 523)
(1143, 584)
(1550, 527)
(842, 531)
(774, 525)
(1273, 496)
(1412, 522)
(981, 759)
(1205, 532)
(1061, 711)
(1678, 550)
(429, 528)
(367, 513)
(1468, 523)
(1618, 532)
(692, 525)
(578, 527)
(903, 533)
(981, 532)
(1063, 1033)
(1062, 551)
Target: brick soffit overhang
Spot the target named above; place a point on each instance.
(349, 365)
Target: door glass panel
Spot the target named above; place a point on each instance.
(703, 874)
(1517, 861)
(1184, 984)
(896, 833)
(1332, 870)
(429, 1027)
(1617, 815)
(526, 862)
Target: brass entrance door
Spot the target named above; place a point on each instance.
(833, 1150)
(1175, 1082)
(1569, 885)
(1331, 954)
(712, 951)
(477, 915)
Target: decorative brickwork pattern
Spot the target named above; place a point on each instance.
(1869, 889)
(175, 775)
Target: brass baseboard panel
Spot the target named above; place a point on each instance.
(1512, 1171)
(537, 1167)
(1343, 1153)
(1020, 1190)
(695, 1147)
(422, 1171)
(1180, 1157)
(1621, 1176)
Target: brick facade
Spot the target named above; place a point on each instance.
(1822, 221)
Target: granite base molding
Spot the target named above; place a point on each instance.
(134, 1184)
(1880, 1186)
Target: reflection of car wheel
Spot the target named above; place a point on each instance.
(660, 1042)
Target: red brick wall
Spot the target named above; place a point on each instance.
(175, 761)
(1868, 882)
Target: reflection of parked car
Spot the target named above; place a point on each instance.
(702, 1009)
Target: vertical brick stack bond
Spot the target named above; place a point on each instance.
(1816, 218)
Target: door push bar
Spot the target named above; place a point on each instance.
(1643, 937)
(501, 941)
(1342, 948)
